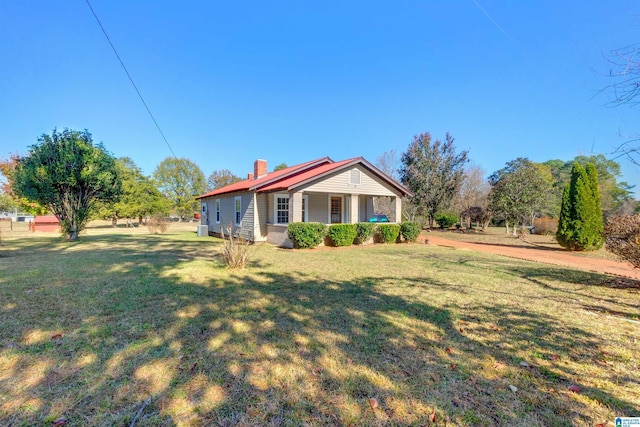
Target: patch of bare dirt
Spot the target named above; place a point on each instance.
(547, 255)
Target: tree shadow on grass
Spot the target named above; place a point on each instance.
(267, 347)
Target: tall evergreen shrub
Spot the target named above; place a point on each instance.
(581, 226)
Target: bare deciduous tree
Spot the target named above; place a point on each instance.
(625, 72)
(472, 197)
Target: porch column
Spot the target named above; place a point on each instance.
(398, 209)
(295, 207)
(354, 205)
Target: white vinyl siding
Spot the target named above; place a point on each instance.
(237, 202)
(223, 212)
(339, 182)
(317, 207)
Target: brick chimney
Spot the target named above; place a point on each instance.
(259, 168)
(249, 176)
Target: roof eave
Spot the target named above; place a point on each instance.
(257, 187)
(401, 188)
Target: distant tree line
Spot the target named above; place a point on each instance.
(444, 184)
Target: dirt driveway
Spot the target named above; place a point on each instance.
(544, 255)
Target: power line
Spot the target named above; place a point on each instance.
(130, 78)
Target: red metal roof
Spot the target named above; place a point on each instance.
(288, 178)
(248, 184)
(303, 176)
(46, 219)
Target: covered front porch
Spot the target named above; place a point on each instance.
(326, 208)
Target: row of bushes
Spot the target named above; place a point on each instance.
(311, 234)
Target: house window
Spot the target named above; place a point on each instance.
(281, 205)
(355, 178)
(238, 204)
(217, 211)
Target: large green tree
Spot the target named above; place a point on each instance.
(614, 194)
(180, 180)
(67, 173)
(140, 195)
(519, 191)
(433, 171)
(581, 225)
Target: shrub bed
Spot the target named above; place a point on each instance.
(445, 221)
(389, 232)
(306, 235)
(409, 231)
(342, 234)
(364, 231)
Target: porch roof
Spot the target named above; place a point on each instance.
(256, 183)
(295, 176)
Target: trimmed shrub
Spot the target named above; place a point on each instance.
(445, 221)
(305, 235)
(364, 231)
(389, 232)
(409, 231)
(342, 234)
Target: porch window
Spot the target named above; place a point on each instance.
(238, 212)
(281, 209)
(217, 211)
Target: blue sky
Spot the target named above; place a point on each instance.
(290, 81)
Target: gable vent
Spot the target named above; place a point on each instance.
(355, 177)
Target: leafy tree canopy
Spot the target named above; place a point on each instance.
(280, 167)
(180, 180)
(140, 195)
(613, 193)
(433, 171)
(519, 191)
(67, 173)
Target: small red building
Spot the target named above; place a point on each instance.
(46, 223)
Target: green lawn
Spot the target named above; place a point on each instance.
(92, 329)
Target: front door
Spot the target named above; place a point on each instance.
(336, 210)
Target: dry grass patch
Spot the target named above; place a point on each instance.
(92, 329)
(497, 236)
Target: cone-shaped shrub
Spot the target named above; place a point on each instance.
(581, 227)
